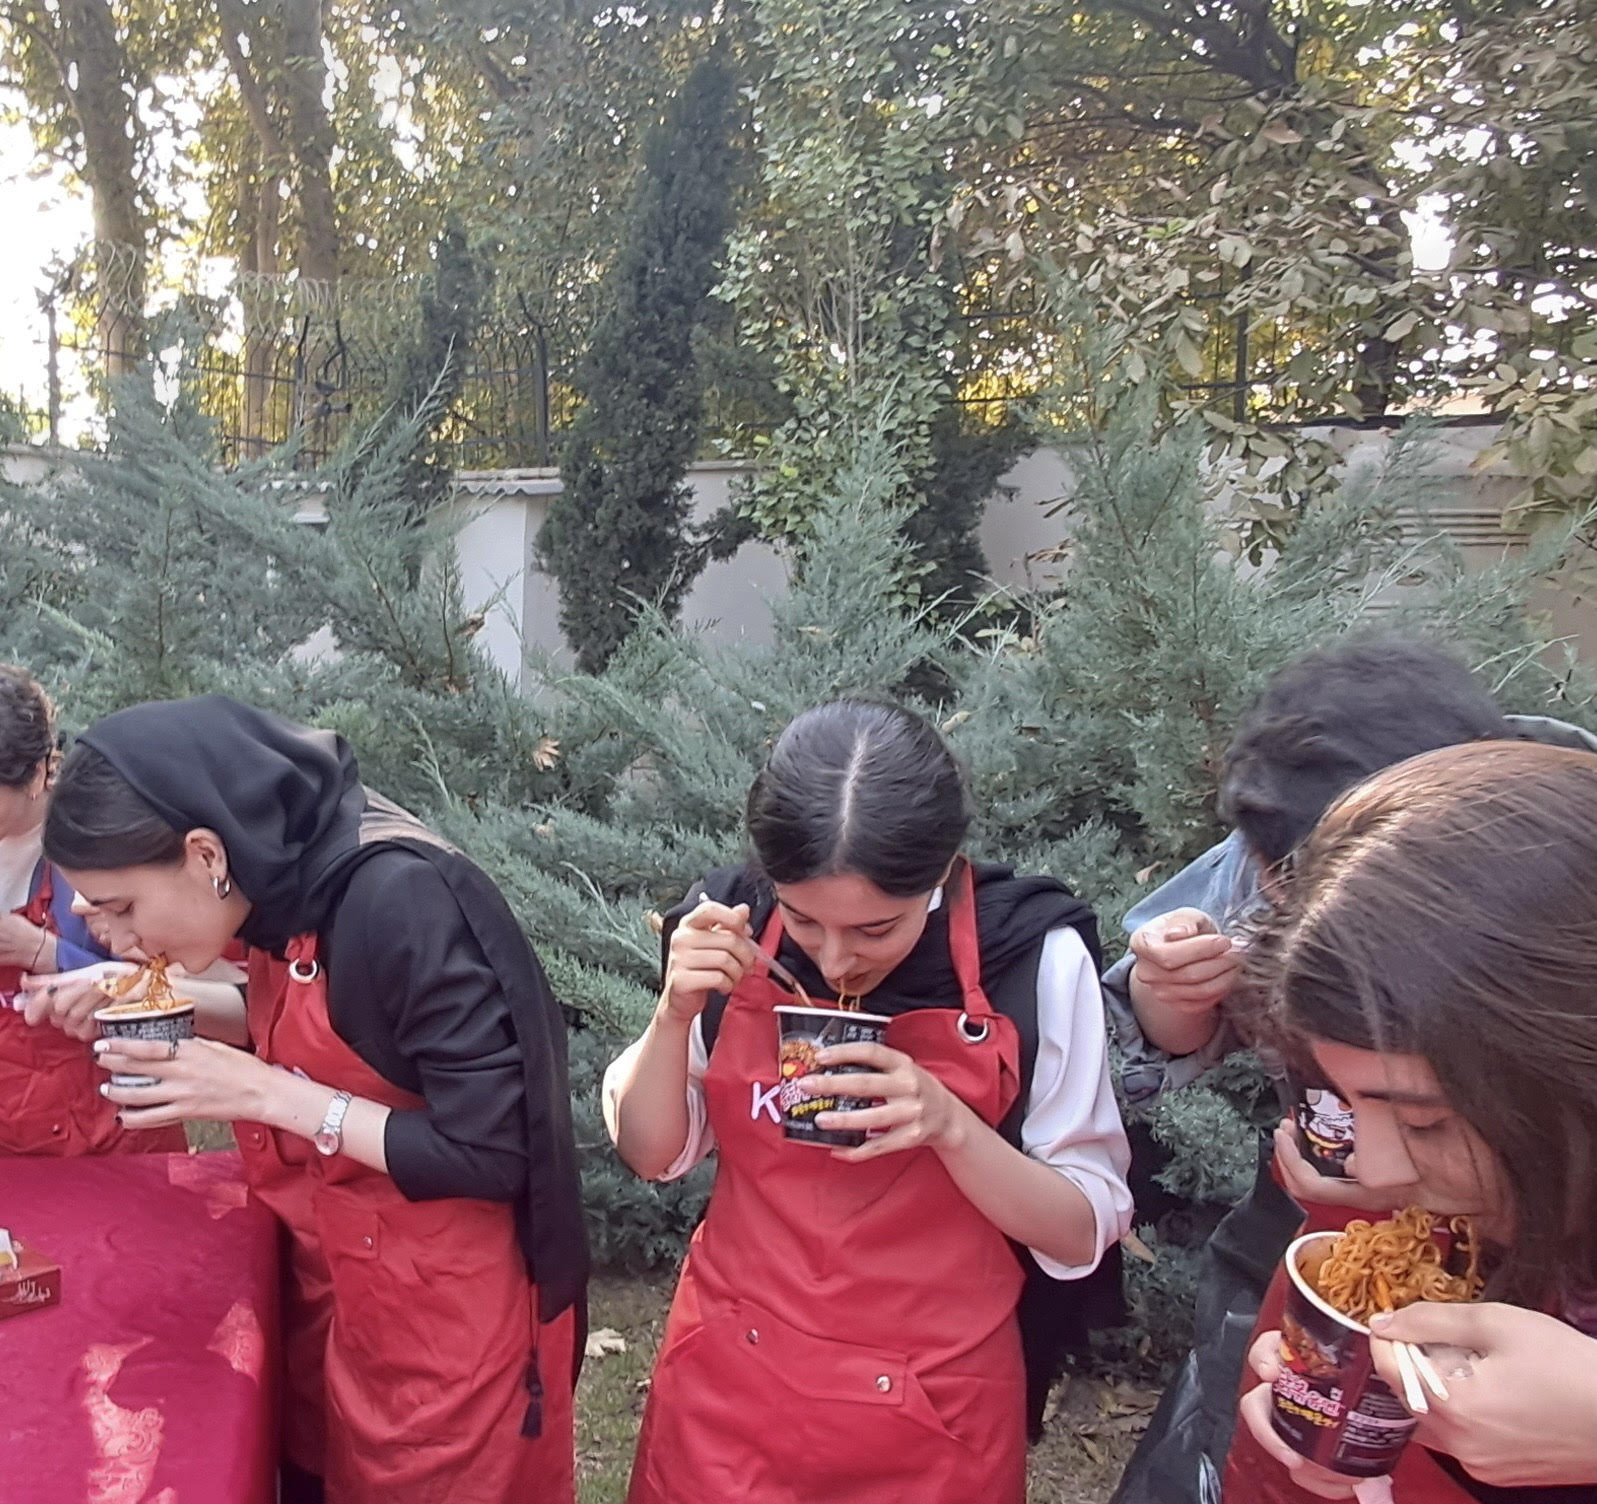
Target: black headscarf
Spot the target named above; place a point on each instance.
(286, 800)
(288, 804)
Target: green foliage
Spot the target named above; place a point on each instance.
(1091, 725)
(1510, 158)
(1159, 1294)
(1236, 184)
(1210, 1161)
(13, 420)
(427, 371)
(616, 536)
(967, 458)
(834, 273)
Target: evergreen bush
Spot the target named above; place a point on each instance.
(1091, 721)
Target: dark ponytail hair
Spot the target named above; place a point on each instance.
(97, 823)
(27, 726)
(860, 787)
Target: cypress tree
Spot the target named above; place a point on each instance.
(618, 534)
(429, 370)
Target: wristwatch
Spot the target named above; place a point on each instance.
(329, 1138)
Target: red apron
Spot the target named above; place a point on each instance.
(410, 1327)
(843, 1331)
(50, 1100)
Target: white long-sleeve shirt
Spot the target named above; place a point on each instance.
(1072, 1122)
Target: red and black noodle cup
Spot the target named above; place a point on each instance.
(1329, 1404)
(1325, 1130)
(135, 1021)
(802, 1034)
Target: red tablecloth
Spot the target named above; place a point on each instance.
(153, 1381)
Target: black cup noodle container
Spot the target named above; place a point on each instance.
(1329, 1404)
(127, 1023)
(802, 1033)
(1325, 1131)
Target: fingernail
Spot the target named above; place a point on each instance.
(1380, 1320)
(100, 1046)
(105, 1088)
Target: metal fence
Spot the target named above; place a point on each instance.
(276, 361)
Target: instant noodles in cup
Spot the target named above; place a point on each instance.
(802, 1034)
(138, 1021)
(1328, 1403)
(1325, 1130)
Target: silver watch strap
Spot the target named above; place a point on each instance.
(333, 1123)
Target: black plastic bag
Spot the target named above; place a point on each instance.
(1181, 1457)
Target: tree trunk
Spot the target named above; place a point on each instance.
(310, 138)
(260, 212)
(94, 75)
(259, 203)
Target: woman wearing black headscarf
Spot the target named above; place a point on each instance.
(416, 1139)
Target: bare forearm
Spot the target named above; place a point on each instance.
(296, 1105)
(1023, 1198)
(28, 946)
(646, 1109)
(1176, 1031)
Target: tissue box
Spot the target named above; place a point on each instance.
(31, 1284)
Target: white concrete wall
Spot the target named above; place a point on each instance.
(504, 511)
(1020, 534)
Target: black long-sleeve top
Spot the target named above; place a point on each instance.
(411, 992)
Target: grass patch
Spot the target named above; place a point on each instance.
(613, 1388)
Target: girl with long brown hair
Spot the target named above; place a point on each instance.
(1433, 955)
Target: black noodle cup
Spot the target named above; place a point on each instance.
(130, 1021)
(1329, 1404)
(1325, 1131)
(802, 1034)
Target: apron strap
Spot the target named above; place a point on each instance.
(300, 953)
(771, 935)
(963, 946)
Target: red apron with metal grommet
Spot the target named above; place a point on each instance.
(50, 1100)
(843, 1331)
(411, 1342)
